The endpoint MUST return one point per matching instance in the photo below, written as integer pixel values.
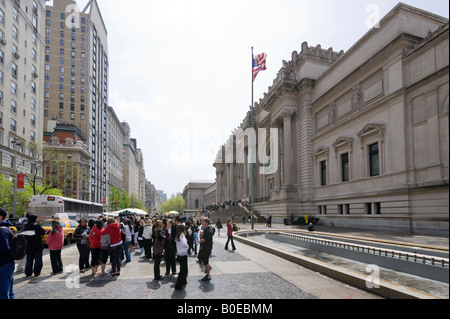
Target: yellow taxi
(67, 225)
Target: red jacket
(95, 236)
(113, 230)
(55, 241)
(229, 229)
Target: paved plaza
(247, 273)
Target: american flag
(259, 64)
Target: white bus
(50, 206)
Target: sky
(180, 71)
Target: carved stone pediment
(322, 150)
(343, 141)
(372, 128)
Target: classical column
(245, 192)
(287, 149)
(219, 194)
(277, 177)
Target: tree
(174, 204)
(123, 200)
(35, 178)
(136, 202)
(6, 196)
(22, 198)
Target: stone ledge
(356, 279)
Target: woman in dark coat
(81, 234)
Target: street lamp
(15, 142)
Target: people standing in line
(147, 235)
(195, 228)
(218, 226)
(200, 241)
(182, 248)
(81, 235)
(34, 247)
(55, 242)
(95, 245)
(105, 241)
(170, 247)
(140, 238)
(20, 266)
(7, 264)
(230, 235)
(136, 226)
(116, 243)
(129, 235)
(206, 248)
(159, 239)
(190, 236)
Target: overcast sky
(180, 71)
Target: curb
(386, 289)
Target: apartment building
(21, 85)
(116, 152)
(76, 80)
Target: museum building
(361, 136)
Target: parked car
(67, 225)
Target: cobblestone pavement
(233, 277)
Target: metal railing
(401, 255)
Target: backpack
(158, 246)
(17, 246)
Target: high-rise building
(76, 79)
(115, 154)
(21, 44)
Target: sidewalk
(243, 274)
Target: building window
(377, 207)
(13, 125)
(345, 167)
(14, 69)
(13, 106)
(374, 160)
(323, 173)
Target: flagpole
(252, 182)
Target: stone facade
(194, 194)
(66, 161)
(115, 156)
(22, 29)
(362, 136)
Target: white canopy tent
(135, 211)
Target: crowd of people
(112, 239)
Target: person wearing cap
(35, 247)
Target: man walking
(6, 261)
(207, 245)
